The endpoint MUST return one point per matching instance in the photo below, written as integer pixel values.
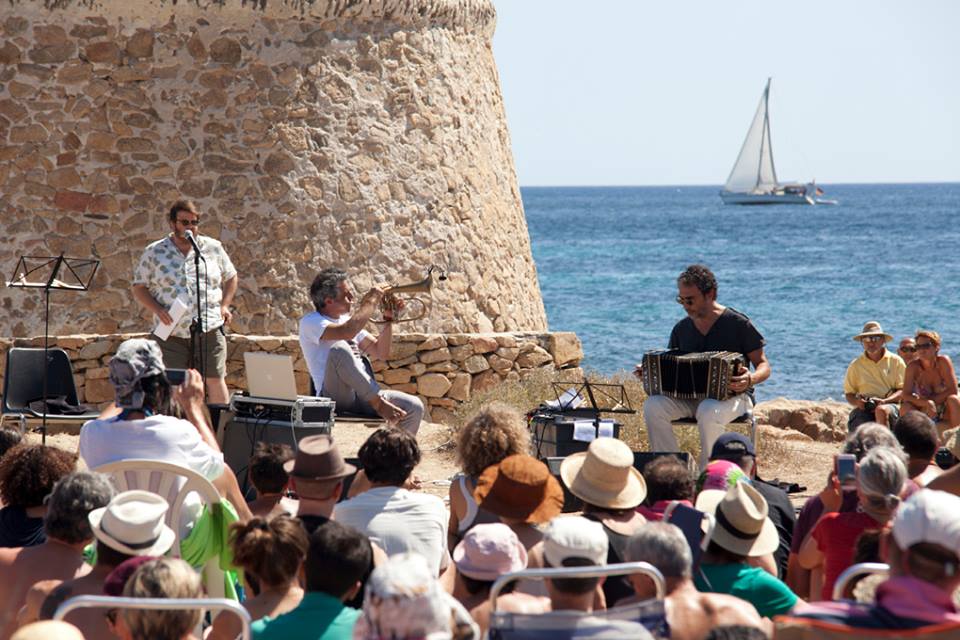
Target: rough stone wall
(369, 134)
(442, 369)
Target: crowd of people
(331, 550)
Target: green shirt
(318, 617)
(765, 592)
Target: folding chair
(639, 620)
(856, 571)
(23, 384)
(154, 604)
(174, 483)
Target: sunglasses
(685, 300)
(908, 349)
(188, 223)
(925, 345)
(872, 338)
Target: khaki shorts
(176, 353)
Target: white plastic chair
(174, 483)
(856, 571)
(108, 602)
(634, 621)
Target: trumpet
(394, 298)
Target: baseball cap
(928, 516)
(732, 446)
(574, 537)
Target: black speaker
(240, 436)
(571, 503)
(642, 458)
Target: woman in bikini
(930, 383)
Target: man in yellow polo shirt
(874, 380)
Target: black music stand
(45, 272)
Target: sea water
(808, 277)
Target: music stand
(77, 274)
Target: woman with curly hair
(270, 552)
(494, 433)
(27, 475)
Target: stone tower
(366, 133)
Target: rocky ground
(797, 440)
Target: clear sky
(630, 92)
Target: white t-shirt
(399, 521)
(161, 438)
(315, 350)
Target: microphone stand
(197, 337)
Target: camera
(870, 405)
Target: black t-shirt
(732, 331)
(783, 517)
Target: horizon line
(720, 186)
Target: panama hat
(133, 524)
(604, 475)
(520, 487)
(742, 525)
(872, 328)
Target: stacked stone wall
(443, 370)
(369, 134)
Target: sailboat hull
(731, 197)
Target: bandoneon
(690, 376)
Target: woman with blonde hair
(930, 383)
(162, 578)
(270, 552)
(495, 432)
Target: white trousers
(712, 416)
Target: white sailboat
(753, 179)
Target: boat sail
(753, 179)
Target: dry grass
(527, 395)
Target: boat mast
(766, 136)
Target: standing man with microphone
(168, 270)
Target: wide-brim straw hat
(519, 487)
(133, 523)
(604, 475)
(873, 328)
(741, 522)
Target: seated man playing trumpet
(333, 342)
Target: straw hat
(873, 328)
(133, 523)
(742, 525)
(519, 487)
(604, 475)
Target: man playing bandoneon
(333, 340)
(709, 326)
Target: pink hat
(488, 551)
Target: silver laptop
(270, 376)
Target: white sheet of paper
(176, 311)
(585, 431)
(606, 428)
(567, 400)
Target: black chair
(23, 384)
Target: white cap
(928, 516)
(574, 537)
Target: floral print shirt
(168, 274)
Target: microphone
(189, 236)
